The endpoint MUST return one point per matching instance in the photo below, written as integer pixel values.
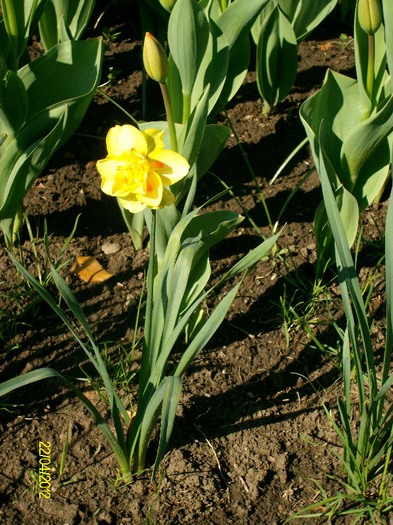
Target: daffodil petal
(108, 169)
(167, 198)
(174, 168)
(132, 205)
(122, 139)
(154, 190)
(154, 139)
(114, 179)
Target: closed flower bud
(155, 59)
(370, 15)
(168, 4)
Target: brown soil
(251, 433)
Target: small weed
(8, 407)
(113, 75)
(19, 302)
(34, 482)
(118, 363)
(109, 35)
(300, 303)
(345, 40)
(372, 503)
(149, 520)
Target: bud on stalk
(155, 59)
(168, 4)
(370, 15)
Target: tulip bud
(168, 4)
(370, 15)
(154, 59)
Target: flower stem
(186, 106)
(370, 67)
(134, 121)
(169, 117)
(146, 352)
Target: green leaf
(68, 74)
(64, 20)
(307, 15)
(174, 86)
(167, 218)
(276, 58)
(389, 289)
(237, 19)
(26, 379)
(338, 105)
(59, 87)
(211, 70)
(248, 262)
(213, 67)
(5, 50)
(188, 34)
(368, 137)
(257, 25)
(145, 421)
(135, 223)
(47, 373)
(347, 275)
(193, 131)
(291, 7)
(236, 22)
(358, 148)
(168, 413)
(349, 211)
(213, 141)
(239, 60)
(190, 242)
(20, 169)
(387, 6)
(206, 332)
(13, 104)
(19, 17)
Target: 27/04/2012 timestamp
(44, 470)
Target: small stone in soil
(110, 247)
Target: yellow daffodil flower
(137, 168)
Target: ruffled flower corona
(137, 168)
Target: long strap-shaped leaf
(147, 416)
(389, 290)
(387, 381)
(168, 413)
(388, 22)
(242, 266)
(237, 19)
(46, 373)
(116, 404)
(347, 274)
(206, 332)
